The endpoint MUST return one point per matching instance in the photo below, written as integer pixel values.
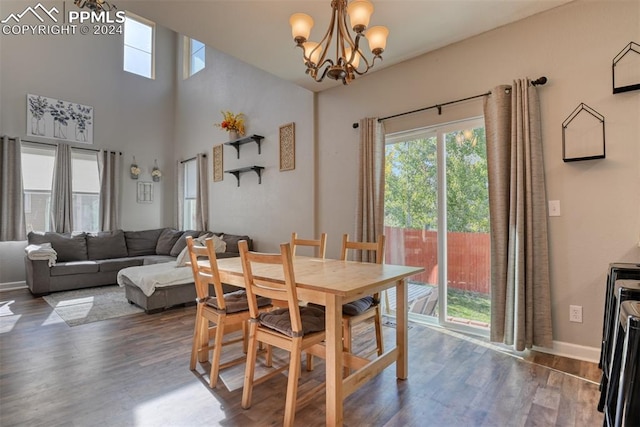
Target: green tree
(412, 182)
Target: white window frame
(188, 55)
(152, 54)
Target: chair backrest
(377, 247)
(320, 243)
(274, 288)
(203, 276)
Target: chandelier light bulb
(359, 14)
(356, 58)
(301, 25)
(312, 50)
(377, 37)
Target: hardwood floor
(134, 371)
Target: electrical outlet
(575, 313)
(554, 207)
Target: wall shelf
(239, 171)
(236, 143)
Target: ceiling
(258, 32)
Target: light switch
(554, 207)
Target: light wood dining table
(332, 283)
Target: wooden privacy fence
(468, 256)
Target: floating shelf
(239, 171)
(245, 140)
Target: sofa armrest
(37, 276)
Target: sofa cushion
(117, 264)
(106, 245)
(68, 246)
(232, 242)
(181, 243)
(142, 242)
(167, 239)
(74, 267)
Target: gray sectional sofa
(94, 259)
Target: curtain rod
(191, 158)
(542, 80)
(55, 145)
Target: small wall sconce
(134, 170)
(155, 173)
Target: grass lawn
(469, 305)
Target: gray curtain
(12, 220)
(109, 166)
(179, 214)
(202, 193)
(61, 192)
(370, 202)
(520, 290)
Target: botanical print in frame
(58, 119)
(288, 147)
(218, 173)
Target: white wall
(573, 46)
(132, 114)
(284, 202)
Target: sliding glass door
(437, 217)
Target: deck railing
(468, 256)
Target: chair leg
(250, 368)
(203, 341)
(379, 336)
(309, 362)
(217, 351)
(196, 339)
(245, 336)
(292, 384)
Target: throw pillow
(183, 257)
(181, 243)
(167, 239)
(219, 244)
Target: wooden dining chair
(294, 328)
(227, 312)
(367, 307)
(320, 243)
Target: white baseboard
(573, 351)
(10, 286)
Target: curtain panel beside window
(12, 222)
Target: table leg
(333, 325)
(402, 326)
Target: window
(37, 178)
(190, 191)
(139, 41)
(85, 182)
(437, 216)
(194, 56)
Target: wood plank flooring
(134, 371)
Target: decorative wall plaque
(288, 147)
(218, 173)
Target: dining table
(331, 283)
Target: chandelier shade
(349, 59)
(95, 5)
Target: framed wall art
(58, 119)
(288, 147)
(218, 173)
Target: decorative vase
(233, 135)
(155, 173)
(134, 171)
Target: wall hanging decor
(218, 173)
(58, 119)
(145, 192)
(134, 170)
(287, 147)
(155, 172)
(585, 139)
(625, 69)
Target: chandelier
(95, 5)
(349, 59)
